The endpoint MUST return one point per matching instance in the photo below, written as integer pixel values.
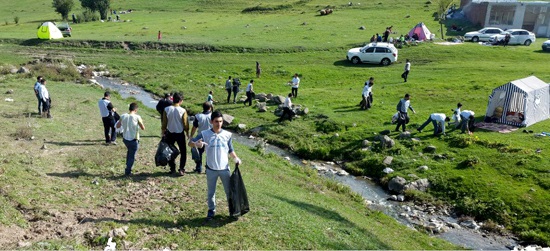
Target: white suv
(373, 53)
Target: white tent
(422, 31)
(521, 102)
(48, 30)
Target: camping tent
(521, 102)
(48, 30)
(422, 31)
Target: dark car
(65, 29)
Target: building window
(502, 15)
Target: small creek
(442, 224)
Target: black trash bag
(238, 200)
(165, 153)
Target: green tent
(48, 30)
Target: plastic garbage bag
(165, 153)
(238, 200)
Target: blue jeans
(211, 179)
(39, 104)
(133, 146)
(434, 122)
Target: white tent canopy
(521, 102)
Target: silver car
(482, 35)
(517, 36)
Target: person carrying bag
(238, 199)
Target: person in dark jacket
(163, 103)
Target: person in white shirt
(287, 109)
(249, 93)
(45, 99)
(456, 116)
(407, 69)
(106, 110)
(219, 147)
(201, 122)
(366, 101)
(467, 121)
(37, 93)
(130, 122)
(438, 120)
(402, 107)
(295, 84)
(174, 128)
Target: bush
(16, 20)
(327, 126)
(471, 161)
(87, 16)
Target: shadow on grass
(33, 42)
(331, 215)
(87, 142)
(75, 174)
(347, 63)
(216, 222)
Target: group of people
(462, 119)
(43, 97)
(210, 138)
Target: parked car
(517, 36)
(482, 35)
(373, 53)
(546, 45)
(65, 29)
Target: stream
(440, 222)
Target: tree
(63, 7)
(102, 6)
(442, 6)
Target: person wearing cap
(219, 147)
(106, 110)
(402, 107)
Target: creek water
(404, 212)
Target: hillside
(507, 182)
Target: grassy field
(72, 193)
(510, 181)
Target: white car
(546, 45)
(373, 53)
(482, 35)
(517, 36)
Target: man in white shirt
(219, 147)
(438, 120)
(407, 69)
(37, 93)
(174, 129)
(201, 122)
(402, 107)
(467, 121)
(130, 122)
(249, 93)
(295, 84)
(45, 99)
(287, 109)
(106, 110)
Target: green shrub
(16, 20)
(327, 126)
(470, 162)
(87, 16)
(462, 140)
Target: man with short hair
(174, 129)
(405, 74)
(295, 84)
(130, 122)
(467, 121)
(402, 107)
(201, 122)
(37, 93)
(438, 120)
(287, 109)
(45, 99)
(249, 92)
(219, 146)
(106, 110)
(163, 103)
(228, 87)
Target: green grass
(53, 190)
(510, 182)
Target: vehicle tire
(355, 60)
(385, 62)
(475, 39)
(527, 42)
